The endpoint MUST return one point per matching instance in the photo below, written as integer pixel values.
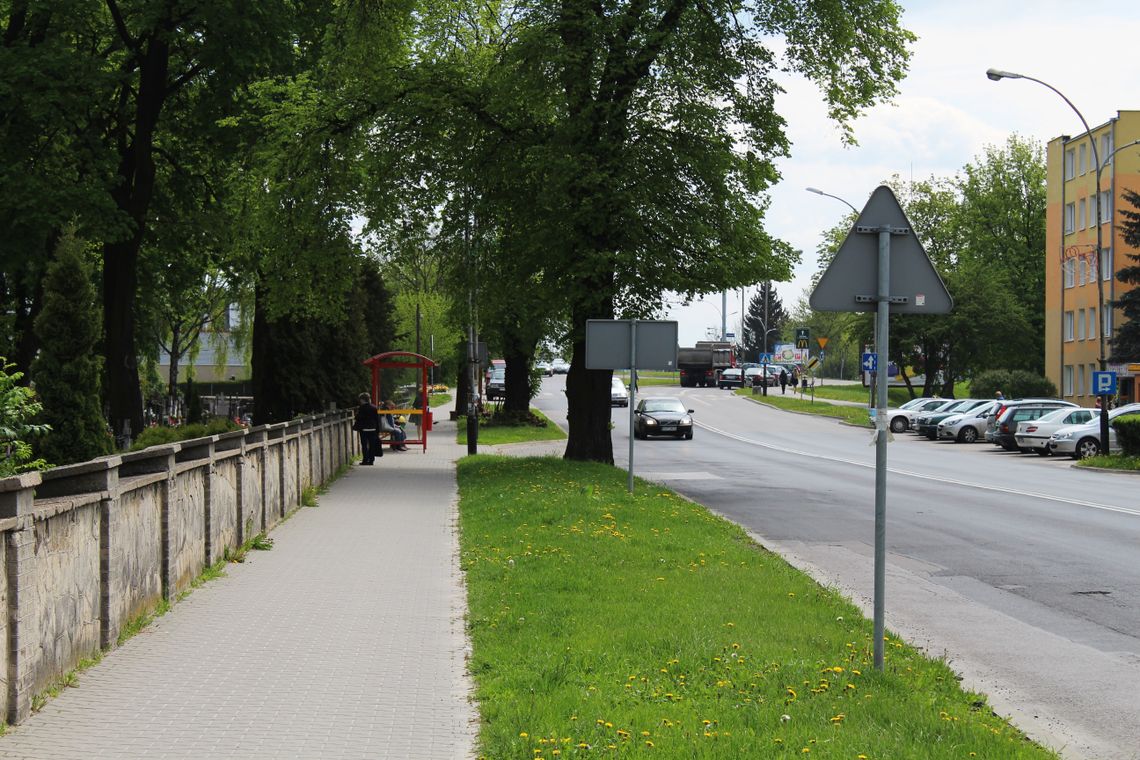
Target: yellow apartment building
(1073, 314)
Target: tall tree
(1126, 337)
(764, 322)
(68, 368)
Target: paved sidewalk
(346, 640)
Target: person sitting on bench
(395, 432)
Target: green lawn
(493, 434)
(857, 415)
(438, 399)
(1111, 462)
(610, 625)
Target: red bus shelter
(406, 360)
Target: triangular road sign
(851, 281)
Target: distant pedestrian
(783, 381)
(999, 397)
(795, 379)
(367, 424)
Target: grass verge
(492, 434)
(438, 399)
(856, 415)
(610, 625)
(1113, 462)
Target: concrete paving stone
(346, 640)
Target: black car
(662, 416)
(927, 423)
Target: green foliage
(18, 407)
(1012, 383)
(68, 369)
(194, 412)
(766, 314)
(1127, 427)
(1126, 337)
(157, 436)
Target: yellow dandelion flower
(556, 752)
(645, 733)
(523, 734)
(609, 725)
(838, 718)
(648, 743)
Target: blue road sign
(765, 358)
(870, 362)
(1104, 383)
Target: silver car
(902, 418)
(1033, 435)
(968, 426)
(1082, 441)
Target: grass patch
(611, 625)
(495, 431)
(309, 496)
(856, 415)
(647, 378)
(895, 396)
(136, 624)
(438, 399)
(1112, 462)
(70, 679)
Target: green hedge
(157, 436)
(1127, 429)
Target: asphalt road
(1023, 572)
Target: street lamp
(997, 75)
(817, 191)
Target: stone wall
(89, 547)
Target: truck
(700, 365)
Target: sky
(944, 116)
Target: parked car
(497, 384)
(619, 394)
(662, 415)
(560, 366)
(730, 378)
(902, 417)
(969, 426)
(546, 368)
(1033, 435)
(755, 376)
(1005, 429)
(1003, 405)
(1081, 441)
(926, 423)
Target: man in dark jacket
(783, 380)
(367, 423)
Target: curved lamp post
(817, 191)
(997, 75)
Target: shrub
(1016, 383)
(18, 405)
(157, 436)
(1127, 429)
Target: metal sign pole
(883, 320)
(632, 374)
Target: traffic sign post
(1104, 383)
(904, 280)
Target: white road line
(923, 476)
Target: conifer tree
(68, 371)
(1126, 341)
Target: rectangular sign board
(608, 344)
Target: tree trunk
(120, 258)
(517, 353)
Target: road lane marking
(669, 475)
(924, 476)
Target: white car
(968, 426)
(1081, 441)
(1035, 434)
(902, 418)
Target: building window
(1084, 158)
(1070, 269)
(1080, 379)
(1080, 324)
(1082, 268)
(1067, 381)
(1105, 147)
(1069, 164)
(1106, 263)
(1070, 216)
(1068, 325)
(1105, 207)
(1081, 216)
(1106, 316)
(1092, 323)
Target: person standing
(783, 380)
(367, 424)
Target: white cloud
(947, 111)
